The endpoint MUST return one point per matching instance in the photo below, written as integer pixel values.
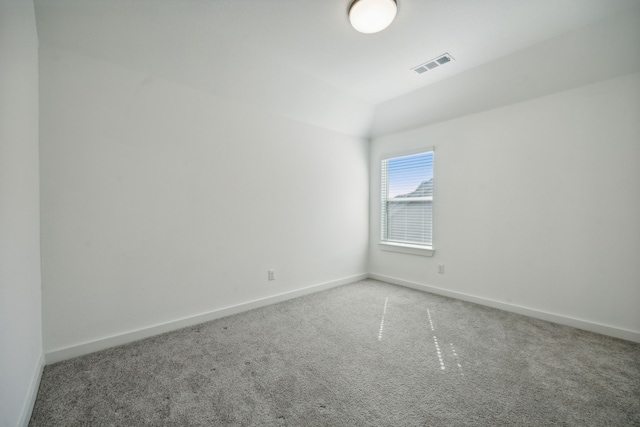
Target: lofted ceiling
(289, 54)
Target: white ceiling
(603, 50)
(316, 37)
(258, 49)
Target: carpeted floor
(365, 354)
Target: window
(407, 203)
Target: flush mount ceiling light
(371, 16)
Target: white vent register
(434, 63)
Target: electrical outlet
(441, 268)
(272, 275)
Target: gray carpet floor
(364, 354)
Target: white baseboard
(33, 393)
(70, 352)
(555, 318)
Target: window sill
(406, 248)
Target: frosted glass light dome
(371, 16)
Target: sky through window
(405, 174)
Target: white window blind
(407, 199)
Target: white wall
(164, 202)
(536, 206)
(20, 317)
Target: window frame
(402, 247)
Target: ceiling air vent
(430, 65)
